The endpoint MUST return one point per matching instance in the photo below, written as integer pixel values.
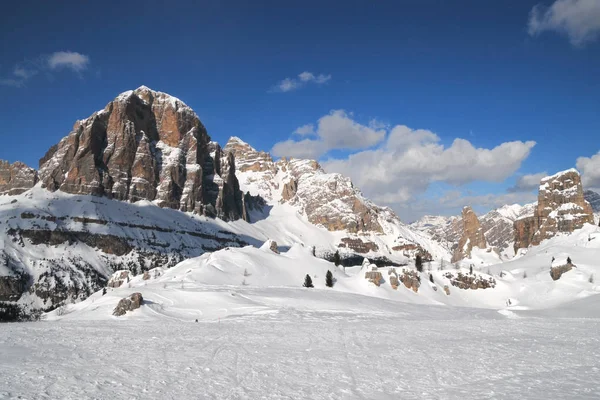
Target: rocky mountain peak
(146, 145)
(561, 207)
(16, 178)
(473, 235)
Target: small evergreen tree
(336, 258)
(431, 278)
(419, 263)
(471, 269)
(329, 279)
(524, 274)
(308, 282)
(568, 260)
(103, 291)
(591, 280)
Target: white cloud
(337, 130)
(411, 160)
(68, 59)
(304, 78)
(527, 183)
(22, 73)
(305, 130)
(590, 171)
(489, 201)
(394, 166)
(306, 148)
(578, 19)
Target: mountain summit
(146, 145)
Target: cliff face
(561, 208)
(146, 145)
(473, 235)
(329, 200)
(16, 178)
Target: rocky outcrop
(374, 276)
(561, 208)
(119, 278)
(329, 200)
(16, 178)
(472, 236)
(133, 302)
(593, 198)
(358, 245)
(273, 247)
(472, 282)
(146, 145)
(497, 226)
(410, 279)
(558, 271)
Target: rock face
(561, 208)
(593, 198)
(118, 278)
(472, 282)
(16, 178)
(497, 227)
(558, 271)
(472, 235)
(130, 303)
(329, 200)
(146, 145)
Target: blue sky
(387, 87)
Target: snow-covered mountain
(497, 227)
(139, 185)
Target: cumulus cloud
(590, 171)
(526, 183)
(68, 59)
(23, 72)
(337, 130)
(490, 201)
(411, 160)
(304, 78)
(578, 19)
(396, 165)
(304, 130)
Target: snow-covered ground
(331, 345)
(260, 334)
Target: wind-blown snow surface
(261, 335)
(394, 353)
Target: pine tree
(591, 280)
(419, 263)
(431, 278)
(471, 269)
(103, 291)
(308, 282)
(336, 258)
(329, 279)
(568, 260)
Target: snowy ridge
(328, 200)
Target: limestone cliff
(472, 236)
(146, 145)
(16, 178)
(561, 208)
